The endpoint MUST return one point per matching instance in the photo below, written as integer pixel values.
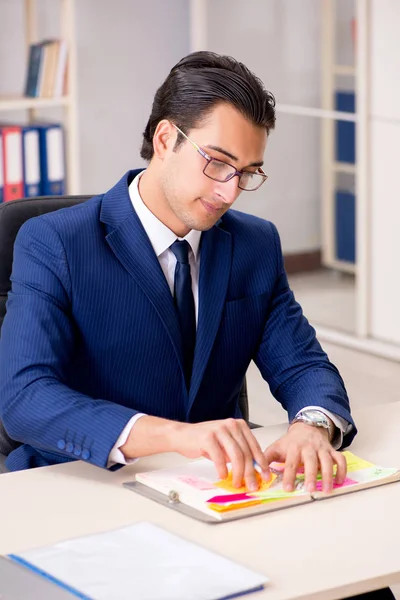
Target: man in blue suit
(133, 317)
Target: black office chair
(12, 216)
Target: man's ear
(164, 139)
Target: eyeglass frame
(210, 159)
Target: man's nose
(229, 191)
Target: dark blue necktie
(184, 303)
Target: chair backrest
(12, 216)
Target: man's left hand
(309, 446)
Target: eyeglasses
(218, 170)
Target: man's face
(195, 200)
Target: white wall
(125, 50)
(384, 170)
(280, 41)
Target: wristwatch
(316, 418)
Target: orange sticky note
(226, 484)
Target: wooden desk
(329, 549)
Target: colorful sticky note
(354, 463)
(228, 498)
(345, 483)
(226, 484)
(226, 507)
(196, 482)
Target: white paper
(144, 562)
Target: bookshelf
(331, 166)
(67, 103)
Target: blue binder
(345, 130)
(345, 219)
(31, 161)
(52, 158)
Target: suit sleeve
(292, 361)
(37, 342)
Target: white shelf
(343, 265)
(342, 167)
(23, 103)
(344, 70)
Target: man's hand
(309, 446)
(226, 441)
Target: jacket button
(61, 444)
(85, 454)
(69, 447)
(77, 450)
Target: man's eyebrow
(232, 156)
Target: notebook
(140, 561)
(195, 489)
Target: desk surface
(329, 549)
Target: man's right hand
(224, 441)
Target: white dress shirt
(161, 238)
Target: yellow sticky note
(226, 484)
(354, 463)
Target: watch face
(315, 417)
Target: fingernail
(253, 486)
(266, 475)
(287, 487)
(311, 487)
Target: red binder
(12, 163)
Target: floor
(369, 380)
(328, 298)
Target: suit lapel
(215, 268)
(131, 245)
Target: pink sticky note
(346, 482)
(196, 482)
(228, 498)
(277, 466)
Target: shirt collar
(160, 236)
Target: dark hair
(196, 84)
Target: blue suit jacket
(91, 334)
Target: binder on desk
(195, 490)
(138, 561)
(13, 185)
(31, 161)
(52, 158)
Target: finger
(250, 475)
(310, 462)
(273, 453)
(213, 450)
(292, 463)
(341, 463)
(326, 462)
(256, 452)
(235, 454)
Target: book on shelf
(46, 71)
(195, 489)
